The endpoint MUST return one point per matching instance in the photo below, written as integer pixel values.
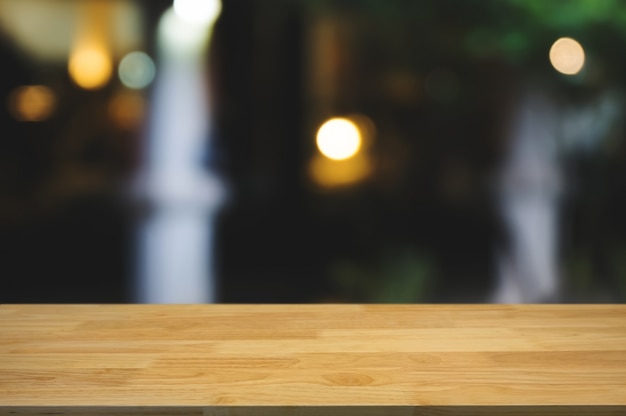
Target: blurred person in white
(531, 184)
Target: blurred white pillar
(529, 197)
(176, 240)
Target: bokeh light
(32, 103)
(567, 56)
(136, 70)
(330, 173)
(127, 109)
(338, 139)
(198, 11)
(178, 38)
(90, 66)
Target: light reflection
(32, 103)
(136, 70)
(339, 139)
(567, 56)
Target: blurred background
(295, 151)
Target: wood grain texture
(288, 359)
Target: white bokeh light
(198, 11)
(136, 70)
(178, 37)
(338, 139)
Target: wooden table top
(207, 359)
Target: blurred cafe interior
(312, 151)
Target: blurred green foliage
(568, 14)
(516, 30)
(589, 280)
(399, 275)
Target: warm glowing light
(136, 70)
(127, 110)
(32, 103)
(90, 66)
(330, 173)
(198, 11)
(338, 139)
(567, 56)
(46, 30)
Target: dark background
(437, 78)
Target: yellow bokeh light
(32, 103)
(90, 66)
(330, 173)
(339, 139)
(567, 56)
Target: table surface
(204, 356)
